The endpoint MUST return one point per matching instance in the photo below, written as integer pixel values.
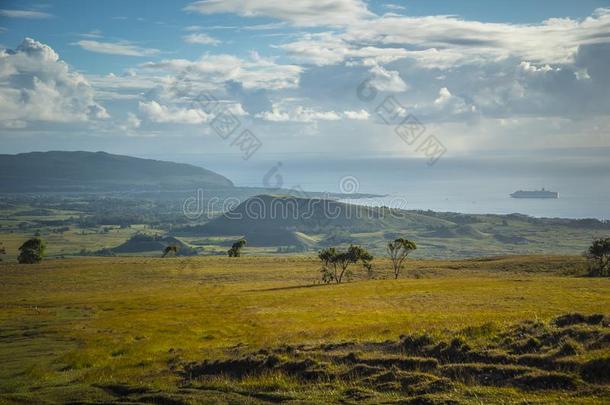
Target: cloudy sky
(308, 76)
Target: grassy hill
(154, 244)
(275, 220)
(99, 171)
(272, 220)
(183, 330)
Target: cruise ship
(535, 194)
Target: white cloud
(200, 39)
(133, 121)
(448, 41)
(158, 113)
(531, 68)
(298, 114)
(35, 85)
(116, 48)
(24, 14)
(450, 104)
(387, 80)
(394, 7)
(361, 115)
(300, 13)
(254, 73)
(328, 48)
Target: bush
(599, 256)
(32, 251)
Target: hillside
(273, 220)
(99, 171)
(141, 243)
(310, 223)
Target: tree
(169, 249)
(599, 256)
(235, 250)
(398, 250)
(2, 250)
(335, 264)
(32, 251)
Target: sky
(342, 78)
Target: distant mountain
(99, 171)
(276, 220)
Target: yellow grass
(101, 320)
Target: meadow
(174, 330)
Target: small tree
(599, 256)
(32, 251)
(169, 249)
(398, 250)
(235, 250)
(335, 264)
(2, 251)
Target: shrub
(599, 256)
(235, 250)
(32, 251)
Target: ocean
(479, 184)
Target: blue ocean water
(467, 185)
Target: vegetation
(599, 257)
(31, 251)
(398, 250)
(335, 264)
(2, 251)
(92, 222)
(235, 250)
(66, 339)
(170, 249)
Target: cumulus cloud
(200, 39)
(158, 113)
(386, 80)
(116, 48)
(253, 73)
(300, 13)
(452, 104)
(35, 85)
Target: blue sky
(125, 76)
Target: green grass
(67, 325)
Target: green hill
(272, 220)
(99, 171)
(140, 243)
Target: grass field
(124, 329)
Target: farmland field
(150, 330)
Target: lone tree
(398, 250)
(2, 251)
(335, 264)
(32, 251)
(169, 249)
(235, 250)
(599, 256)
